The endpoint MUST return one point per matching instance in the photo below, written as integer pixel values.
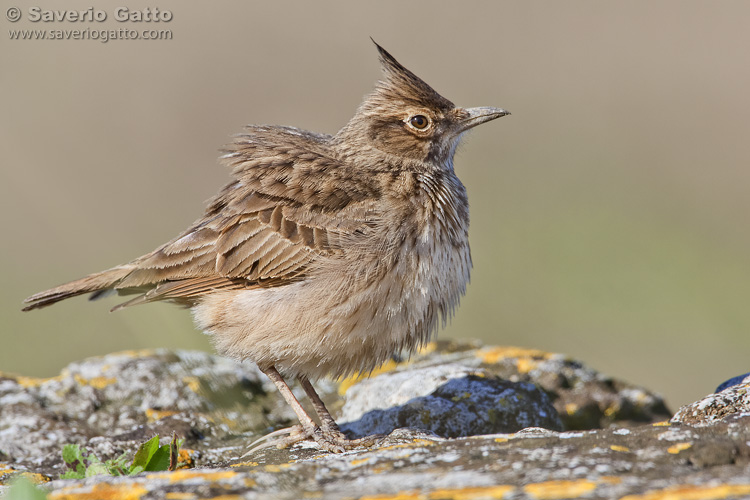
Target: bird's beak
(471, 117)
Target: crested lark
(325, 255)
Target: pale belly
(341, 319)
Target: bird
(325, 255)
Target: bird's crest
(400, 83)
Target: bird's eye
(419, 122)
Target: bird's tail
(97, 282)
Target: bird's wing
(290, 202)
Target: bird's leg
(328, 426)
(307, 423)
(307, 430)
(328, 435)
(327, 423)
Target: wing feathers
(236, 235)
(247, 251)
(290, 203)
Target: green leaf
(118, 466)
(119, 461)
(146, 452)
(135, 470)
(97, 469)
(73, 457)
(71, 453)
(90, 458)
(72, 474)
(160, 460)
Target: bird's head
(407, 118)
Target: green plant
(149, 457)
(23, 489)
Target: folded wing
(290, 203)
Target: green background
(609, 212)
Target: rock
(456, 446)
(640, 463)
(584, 398)
(450, 400)
(716, 407)
(128, 397)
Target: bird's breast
(416, 266)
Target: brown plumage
(325, 255)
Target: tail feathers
(98, 283)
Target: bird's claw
(331, 440)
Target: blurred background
(609, 212)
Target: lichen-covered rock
(647, 462)
(714, 407)
(450, 400)
(584, 398)
(128, 397)
(113, 403)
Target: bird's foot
(329, 439)
(333, 440)
(293, 434)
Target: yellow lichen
(360, 461)
(193, 383)
(35, 477)
(347, 382)
(471, 493)
(9, 474)
(95, 382)
(276, 468)
(492, 355)
(427, 348)
(674, 450)
(101, 382)
(103, 491)
(525, 365)
(185, 457)
(402, 495)
(185, 474)
(29, 382)
(559, 489)
(136, 353)
(693, 492)
(612, 410)
(245, 464)
(423, 442)
(154, 415)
